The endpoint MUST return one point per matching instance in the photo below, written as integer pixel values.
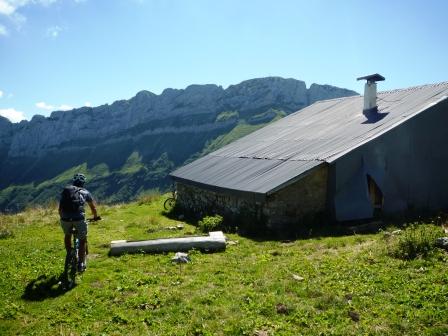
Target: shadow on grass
(258, 231)
(312, 227)
(323, 229)
(304, 232)
(45, 287)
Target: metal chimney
(370, 92)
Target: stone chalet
(349, 158)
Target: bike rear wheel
(169, 203)
(71, 263)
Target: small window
(375, 193)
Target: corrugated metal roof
(279, 153)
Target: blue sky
(63, 54)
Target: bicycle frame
(72, 258)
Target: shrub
(210, 223)
(415, 241)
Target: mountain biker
(72, 214)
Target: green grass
(243, 128)
(133, 164)
(252, 288)
(65, 176)
(227, 115)
(240, 130)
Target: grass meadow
(347, 285)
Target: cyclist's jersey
(85, 196)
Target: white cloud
(48, 107)
(10, 8)
(3, 30)
(7, 7)
(1, 93)
(88, 104)
(12, 114)
(53, 31)
(64, 107)
(44, 106)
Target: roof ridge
(414, 88)
(334, 99)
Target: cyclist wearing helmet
(72, 214)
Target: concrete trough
(215, 241)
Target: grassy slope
(240, 130)
(119, 183)
(230, 293)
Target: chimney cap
(372, 78)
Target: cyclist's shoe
(81, 267)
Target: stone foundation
(197, 203)
(299, 202)
(295, 203)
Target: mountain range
(127, 148)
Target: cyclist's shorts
(80, 226)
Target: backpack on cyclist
(71, 200)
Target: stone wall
(304, 200)
(295, 203)
(198, 202)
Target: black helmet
(79, 180)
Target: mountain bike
(170, 201)
(72, 258)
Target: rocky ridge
(36, 137)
